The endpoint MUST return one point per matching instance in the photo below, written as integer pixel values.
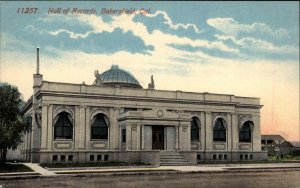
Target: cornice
(146, 99)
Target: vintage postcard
(207, 81)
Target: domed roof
(116, 76)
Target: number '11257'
(27, 10)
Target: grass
(98, 164)
(271, 159)
(288, 158)
(7, 168)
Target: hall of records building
(115, 119)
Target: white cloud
(232, 27)
(71, 34)
(170, 23)
(157, 38)
(259, 45)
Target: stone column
(143, 137)
(50, 127)
(120, 137)
(87, 128)
(44, 127)
(114, 128)
(138, 137)
(229, 132)
(134, 137)
(128, 138)
(180, 144)
(256, 136)
(202, 130)
(76, 127)
(82, 127)
(235, 132)
(187, 137)
(209, 131)
(176, 137)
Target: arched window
(245, 132)
(63, 127)
(219, 130)
(99, 127)
(195, 129)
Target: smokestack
(37, 60)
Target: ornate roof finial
(151, 85)
(98, 80)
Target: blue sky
(241, 48)
(271, 25)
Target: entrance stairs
(172, 158)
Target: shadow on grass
(7, 168)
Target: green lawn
(271, 159)
(287, 158)
(98, 164)
(14, 168)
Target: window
(246, 157)
(219, 130)
(123, 135)
(62, 158)
(70, 158)
(215, 157)
(241, 157)
(225, 157)
(195, 129)
(198, 157)
(130, 109)
(105, 157)
(91, 158)
(251, 157)
(220, 157)
(99, 127)
(54, 158)
(63, 128)
(99, 158)
(245, 132)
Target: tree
(12, 124)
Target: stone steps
(172, 158)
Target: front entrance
(157, 137)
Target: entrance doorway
(157, 137)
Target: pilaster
(180, 144)
(76, 127)
(235, 132)
(50, 127)
(177, 137)
(209, 132)
(87, 127)
(44, 127)
(202, 130)
(143, 137)
(229, 132)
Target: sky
(242, 48)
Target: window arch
(99, 128)
(63, 127)
(245, 132)
(219, 130)
(195, 125)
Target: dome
(116, 76)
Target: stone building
(116, 119)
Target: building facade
(115, 119)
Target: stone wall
(230, 156)
(147, 157)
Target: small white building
(115, 119)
